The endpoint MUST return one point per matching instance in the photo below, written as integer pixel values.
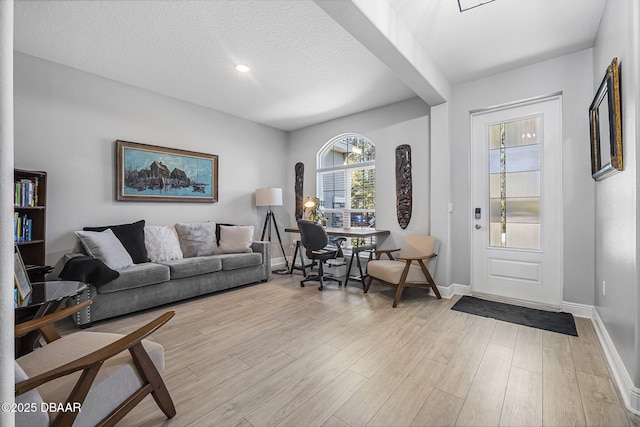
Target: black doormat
(562, 323)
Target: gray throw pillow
(198, 239)
(105, 246)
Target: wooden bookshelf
(33, 208)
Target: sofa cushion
(105, 246)
(131, 236)
(236, 261)
(137, 276)
(162, 243)
(194, 266)
(235, 239)
(197, 239)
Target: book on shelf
(26, 192)
(22, 228)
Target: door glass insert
(514, 184)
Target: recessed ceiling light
(242, 68)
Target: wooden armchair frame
(91, 363)
(402, 283)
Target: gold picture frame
(20, 277)
(605, 123)
(150, 173)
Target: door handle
(479, 227)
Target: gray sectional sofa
(150, 284)
(192, 262)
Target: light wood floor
(278, 354)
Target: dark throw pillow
(87, 269)
(132, 238)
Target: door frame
(556, 96)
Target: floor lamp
(271, 197)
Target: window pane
(495, 234)
(348, 191)
(522, 132)
(523, 236)
(494, 185)
(333, 189)
(523, 158)
(523, 210)
(523, 184)
(331, 157)
(354, 150)
(494, 136)
(363, 189)
(517, 159)
(494, 210)
(514, 184)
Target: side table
(45, 298)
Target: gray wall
(66, 122)
(405, 122)
(616, 211)
(570, 75)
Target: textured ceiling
(305, 68)
(501, 35)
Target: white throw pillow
(235, 239)
(162, 243)
(105, 246)
(197, 239)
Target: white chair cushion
(391, 271)
(31, 400)
(116, 380)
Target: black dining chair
(318, 248)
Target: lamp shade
(269, 197)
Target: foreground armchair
(410, 267)
(88, 378)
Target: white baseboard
(630, 393)
(278, 262)
(454, 289)
(578, 310)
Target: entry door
(517, 202)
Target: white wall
(405, 122)
(66, 122)
(572, 76)
(7, 312)
(616, 212)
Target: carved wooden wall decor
(404, 196)
(298, 190)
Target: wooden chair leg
(400, 285)
(399, 290)
(427, 275)
(149, 372)
(367, 284)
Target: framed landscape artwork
(152, 173)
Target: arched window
(346, 181)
